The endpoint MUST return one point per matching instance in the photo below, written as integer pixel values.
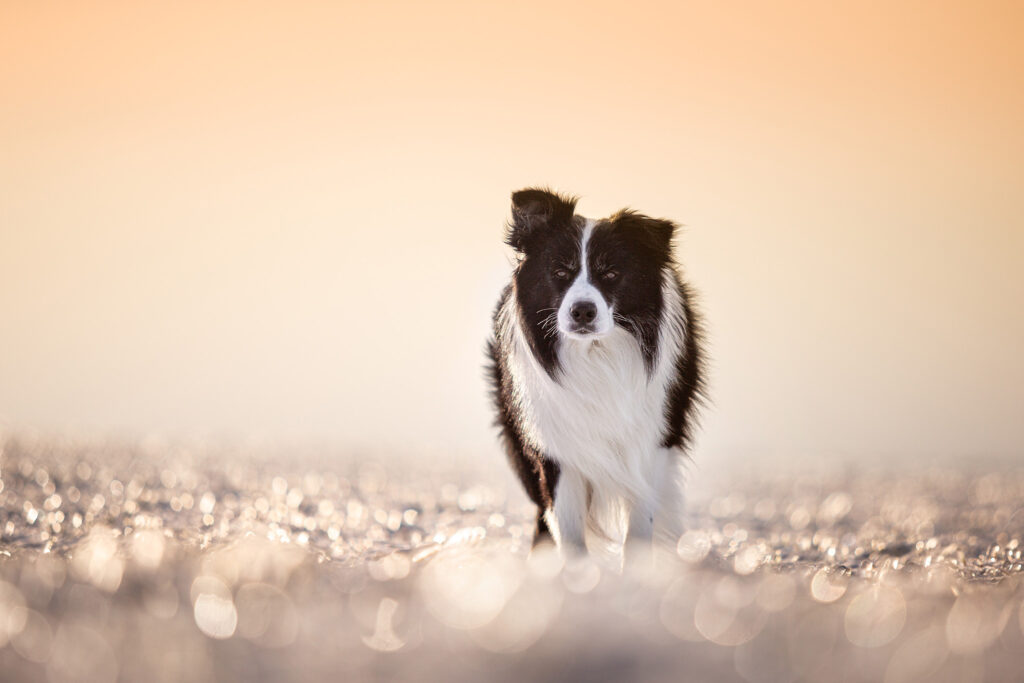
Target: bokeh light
(167, 564)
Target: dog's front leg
(641, 522)
(637, 551)
(571, 511)
(655, 521)
(671, 502)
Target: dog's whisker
(549, 320)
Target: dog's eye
(609, 275)
(561, 273)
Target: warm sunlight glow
(284, 220)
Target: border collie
(596, 366)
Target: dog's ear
(654, 233)
(533, 211)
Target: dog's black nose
(583, 312)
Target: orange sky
(284, 220)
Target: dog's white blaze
(582, 290)
(603, 415)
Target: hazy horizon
(262, 222)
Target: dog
(596, 366)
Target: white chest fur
(604, 413)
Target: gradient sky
(284, 220)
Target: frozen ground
(155, 563)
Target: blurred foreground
(159, 564)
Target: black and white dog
(596, 369)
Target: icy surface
(157, 563)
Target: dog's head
(578, 278)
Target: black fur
(638, 248)
(688, 390)
(546, 235)
(538, 474)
